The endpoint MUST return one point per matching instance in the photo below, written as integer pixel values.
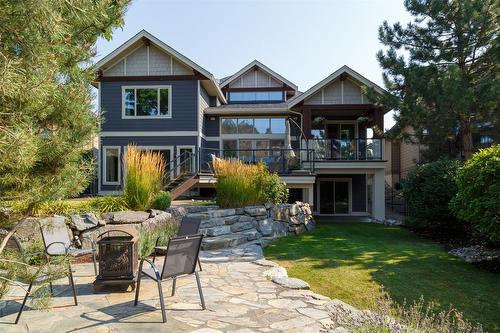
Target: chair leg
(199, 290)
(138, 285)
(173, 286)
(162, 302)
(154, 256)
(95, 261)
(72, 283)
(24, 303)
(51, 289)
(199, 264)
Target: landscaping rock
(291, 283)
(217, 231)
(164, 219)
(295, 209)
(220, 213)
(224, 241)
(126, 217)
(84, 222)
(240, 226)
(252, 235)
(266, 263)
(245, 218)
(476, 253)
(155, 212)
(310, 225)
(265, 227)
(256, 211)
(275, 273)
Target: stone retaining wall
(223, 228)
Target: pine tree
(444, 69)
(46, 118)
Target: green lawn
(355, 261)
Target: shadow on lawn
(406, 266)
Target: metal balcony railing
(346, 150)
(277, 160)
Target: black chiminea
(117, 259)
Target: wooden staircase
(182, 184)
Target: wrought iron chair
(180, 260)
(57, 242)
(189, 226)
(13, 244)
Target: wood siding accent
(341, 91)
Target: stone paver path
(238, 296)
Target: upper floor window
(255, 96)
(253, 126)
(147, 102)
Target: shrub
(162, 200)
(108, 204)
(148, 237)
(145, 171)
(240, 184)
(275, 190)
(478, 197)
(428, 190)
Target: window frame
(104, 175)
(157, 87)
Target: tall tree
(443, 68)
(46, 118)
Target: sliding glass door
(335, 196)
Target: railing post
(283, 166)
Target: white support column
(378, 195)
(308, 195)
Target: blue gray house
(321, 141)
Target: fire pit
(117, 259)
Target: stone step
(230, 240)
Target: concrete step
(230, 240)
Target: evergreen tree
(46, 118)
(443, 68)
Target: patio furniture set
(118, 263)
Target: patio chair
(13, 244)
(57, 242)
(180, 260)
(189, 226)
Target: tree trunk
(467, 144)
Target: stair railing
(181, 165)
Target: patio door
(335, 196)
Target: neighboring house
(402, 156)
(156, 98)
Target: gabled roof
(227, 80)
(342, 70)
(109, 59)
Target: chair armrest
(62, 243)
(157, 241)
(92, 242)
(157, 273)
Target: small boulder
(217, 231)
(84, 222)
(256, 211)
(265, 227)
(126, 217)
(275, 272)
(291, 283)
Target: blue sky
(304, 41)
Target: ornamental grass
(145, 170)
(238, 184)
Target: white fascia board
(186, 61)
(264, 68)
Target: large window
(147, 102)
(255, 96)
(112, 165)
(253, 126)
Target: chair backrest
(54, 231)
(182, 256)
(13, 243)
(189, 226)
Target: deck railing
(346, 150)
(277, 160)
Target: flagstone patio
(238, 295)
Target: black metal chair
(180, 260)
(189, 226)
(13, 244)
(57, 242)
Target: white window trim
(104, 181)
(168, 116)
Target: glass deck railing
(346, 150)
